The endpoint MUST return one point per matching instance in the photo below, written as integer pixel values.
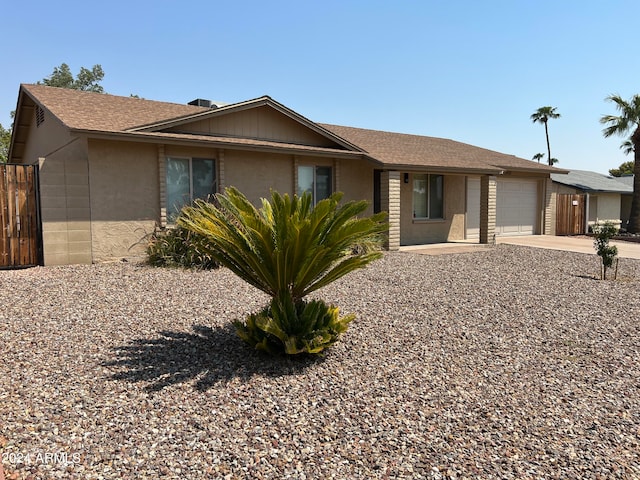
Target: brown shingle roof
(106, 113)
(103, 112)
(437, 153)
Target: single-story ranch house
(111, 169)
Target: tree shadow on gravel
(207, 356)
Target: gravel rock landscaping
(505, 363)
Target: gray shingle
(592, 182)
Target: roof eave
(539, 170)
(150, 137)
(15, 123)
(439, 169)
(592, 190)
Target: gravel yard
(505, 363)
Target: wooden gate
(20, 238)
(570, 214)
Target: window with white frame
(187, 180)
(428, 195)
(315, 180)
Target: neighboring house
(626, 198)
(114, 168)
(607, 198)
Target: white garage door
(517, 207)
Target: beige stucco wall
(64, 191)
(255, 174)
(45, 139)
(565, 189)
(608, 209)
(356, 181)
(415, 232)
(125, 187)
(125, 198)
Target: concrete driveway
(571, 244)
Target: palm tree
(288, 249)
(542, 115)
(627, 122)
(538, 157)
(627, 147)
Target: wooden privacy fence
(20, 244)
(570, 214)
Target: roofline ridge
(106, 94)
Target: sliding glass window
(428, 195)
(315, 180)
(188, 179)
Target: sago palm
(288, 248)
(627, 122)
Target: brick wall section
(162, 178)
(220, 165)
(390, 202)
(488, 197)
(65, 211)
(549, 208)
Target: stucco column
(390, 202)
(488, 192)
(549, 227)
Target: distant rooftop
(593, 182)
(626, 179)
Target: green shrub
(603, 232)
(288, 248)
(179, 247)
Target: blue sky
(469, 70)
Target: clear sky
(469, 70)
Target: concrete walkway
(569, 244)
(444, 248)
